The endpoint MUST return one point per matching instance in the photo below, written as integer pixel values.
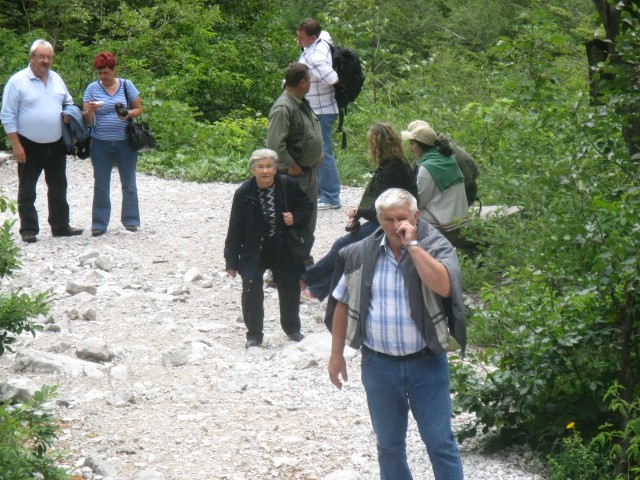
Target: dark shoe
(252, 342)
(29, 237)
(296, 337)
(131, 228)
(67, 232)
(97, 232)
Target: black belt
(24, 139)
(411, 356)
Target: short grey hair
(261, 154)
(396, 198)
(39, 43)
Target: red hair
(104, 60)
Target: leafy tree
(564, 313)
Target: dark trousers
(253, 299)
(52, 158)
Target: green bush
(27, 432)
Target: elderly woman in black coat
(256, 242)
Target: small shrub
(27, 432)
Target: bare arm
(136, 108)
(337, 366)
(17, 148)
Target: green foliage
(17, 312)
(8, 249)
(556, 323)
(621, 443)
(27, 432)
(560, 305)
(576, 459)
(207, 152)
(16, 309)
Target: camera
(121, 110)
(352, 227)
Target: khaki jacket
(294, 132)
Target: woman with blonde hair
(392, 171)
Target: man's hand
(294, 170)
(19, 154)
(407, 231)
(288, 218)
(337, 370)
(232, 273)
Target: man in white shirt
(316, 55)
(31, 114)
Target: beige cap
(420, 131)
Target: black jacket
(392, 173)
(247, 228)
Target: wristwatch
(412, 243)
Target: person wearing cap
(442, 199)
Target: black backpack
(346, 63)
(469, 168)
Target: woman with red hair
(109, 105)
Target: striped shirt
(106, 124)
(267, 201)
(321, 95)
(389, 326)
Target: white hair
(396, 198)
(39, 43)
(262, 154)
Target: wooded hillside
(558, 285)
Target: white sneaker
(268, 279)
(307, 297)
(327, 206)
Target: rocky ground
(146, 344)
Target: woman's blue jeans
(318, 277)
(421, 383)
(103, 155)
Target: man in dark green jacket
(295, 134)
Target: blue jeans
(421, 383)
(318, 277)
(103, 155)
(328, 178)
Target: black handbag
(299, 239)
(299, 242)
(140, 136)
(138, 132)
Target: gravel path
(179, 397)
